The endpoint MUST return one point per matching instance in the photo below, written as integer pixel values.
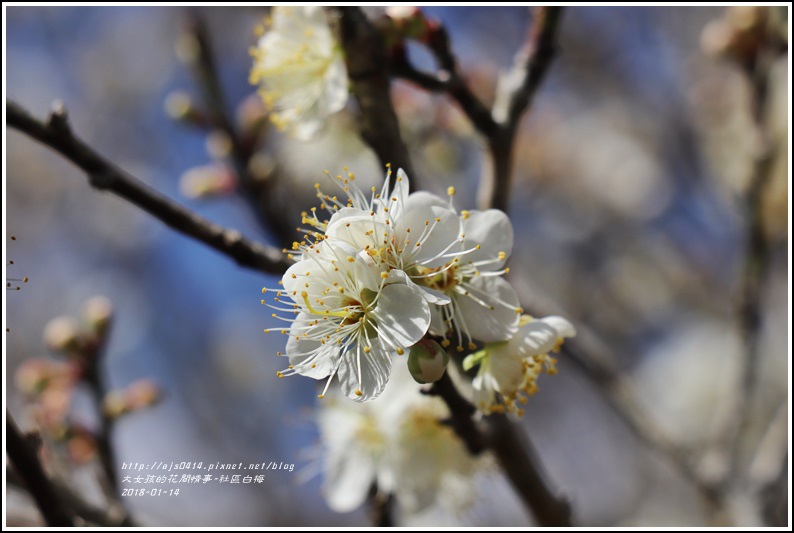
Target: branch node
(58, 120)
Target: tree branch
(104, 175)
(258, 190)
(514, 452)
(523, 468)
(448, 80)
(530, 69)
(461, 412)
(27, 465)
(368, 69)
(755, 266)
(497, 126)
(381, 507)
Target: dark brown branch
(27, 465)
(461, 412)
(80, 507)
(498, 127)
(258, 190)
(514, 452)
(105, 175)
(93, 356)
(523, 467)
(381, 507)
(775, 498)
(368, 69)
(756, 264)
(448, 80)
(537, 57)
(532, 65)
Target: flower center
(444, 278)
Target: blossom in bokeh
(511, 367)
(300, 70)
(398, 444)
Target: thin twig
(381, 507)
(368, 69)
(531, 67)
(775, 498)
(80, 507)
(461, 412)
(755, 268)
(27, 465)
(514, 451)
(258, 190)
(497, 126)
(448, 80)
(92, 376)
(105, 175)
(524, 469)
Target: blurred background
(629, 174)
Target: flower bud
(427, 361)
(114, 404)
(143, 393)
(207, 181)
(33, 375)
(62, 334)
(80, 445)
(98, 312)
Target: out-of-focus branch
(775, 498)
(461, 412)
(497, 126)
(530, 69)
(80, 507)
(523, 468)
(448, 80)
(368, 69)
(514, 452)
(92, 359)
(105, 175)
(381, 507)
(27, 465)
(258, 190)
(755, 266)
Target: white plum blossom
(349, 318)
(300, 69)
(378, 271)
(399, 444)
(511, 367)
(457, 260)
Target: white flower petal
(348, 478)
(536, 337)
(360, 232)
(375, 372)
(397, 200)
(434, 228)
(308, 357)
(424, 199)
(563, 327)
(402, 315)
(493, 231)
(484, 324)
(437, 324)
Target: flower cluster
(300, 70)
(386, 268)
(398, 444)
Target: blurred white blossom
(511, 367)
(398, 443)
(301, 70)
